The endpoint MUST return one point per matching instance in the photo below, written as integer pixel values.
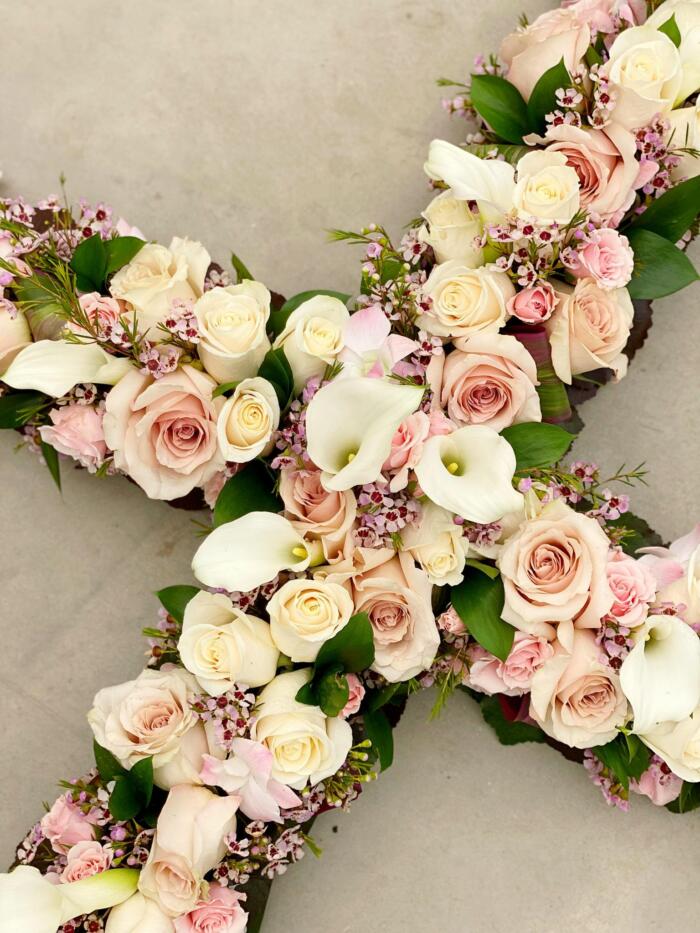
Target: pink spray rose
(451, 622)
(513, 677)
(317, 513)
(606, 257)
(357, 693)
(406, 449)
(533, 305)
(85, 859)
(222, 912)
(163, 432)
(65, 825)
(633, 588)
(658, 783)
(77, 431)
(103, 312)
(601, 14)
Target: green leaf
(501, 104)
(240, 268)
(141, 778)
(50, 455)
(537, 444)
(224, 388)
(490, 571)
(276, 369)
(121, 250)
(478, 602)
(333, 692)
(673, 213)
(17, 408)
(89, 262)
(613, 756)
(543, 98)
(660, 268)
(251, 490)
(278, 319)
(132, 791)
(508, 733)
(307, 694)
(378, 730)
(687, 800)
(593, 56)
(642, 535)
(174, 599)
(670, 29)
(352, 647)
(375, 699)
(107, 764)
(392, 269)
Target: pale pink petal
(366, 330)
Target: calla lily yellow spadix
(470, 472)
(249, 551)
(30, 903)
(56, 366)
(350, 424)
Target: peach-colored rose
(633, 587)
(589, 329)
(14, 332)
(221, 912)
(406, 449)
(315, 512)
(103, 312)
(606, 257)
(575, 698)
(76, 430)
(531, 51)
(163, 432)
(357, 693)
(490, 380)
(188, 843)
(533, 305)
(512, 677)
(65, 825)
(85, 859)
(554, 571)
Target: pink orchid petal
(258, 758)
(259, 804)
(399, 347)
(366, 330)
(283, 795)
(683, 548)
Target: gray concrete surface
(253, 127)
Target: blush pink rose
(76, 430)
(490, 380)
(317, 513)
(103, 312)
(658, 783)
(606, 257)
(449, 621)
(163, 431)
(85, 859)
(601, 14)
(222, 912)
(357, 694)
(406, 449)
(533, 305)
(633, 587)
(65, 825)
(513, 677)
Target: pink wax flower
(658, 783)
(222, 912)
(370, 347)
(65, 825)
(633, 587)
(85, 859)
(606, 256)
(76, 430)
(533, 305)
(357, 693)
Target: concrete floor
(255, 127)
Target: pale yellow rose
(313, 337)
(547, 188)
(247, 421)
(451, 230)
(465, 301)
(232, 326)
(306, 613)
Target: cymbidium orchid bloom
(661, 674)
(489, 182)
(56, 366)
(350, 424)
(31, 903)
(249, 551)
(470, 472)
(370, 349)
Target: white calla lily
(350, 424)
(31, 903)
(489, 182)
(249, 551)
(55, 366)
(470, 473)
(661, 674)
(138, 913)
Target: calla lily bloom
(249, 551)
(470, 473)
(661, 674)
(350, 424)
(56, 366)
(489, 182)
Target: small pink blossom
(65, 825)
(533, 305)
(76, 430)
(633, 587)
(406, 449)
(357, 693)
(222, 912)
(85, 859)
(370, 347)
(606, 256)
(450, 622)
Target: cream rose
(152, 716)
(438, 545)
(14, 332)
(232, 326)
(589, 329)
(644, 68)
(687, 15)
(306, 613)
(306, 745)
(156, 276)
(684, 133)
(318, 514)
(163, 432)
(547, 188)
(189, 841)
(465, 301)
(247, 421)
(222, 646)
(313, 337)
(575, 698)
(554, 571)
(490, 379)
(452, 230)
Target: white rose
(451, 230)
(465, 301)
(313, 337)
(687, 14)
(221, 645)
(306, 613)
(645, 70)
(684, 133)
(678, 743)
(232, 326)
(306, 745)
(157, 275)
(138, 913)
(438, 545)
(547, 188)
(247, 421)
